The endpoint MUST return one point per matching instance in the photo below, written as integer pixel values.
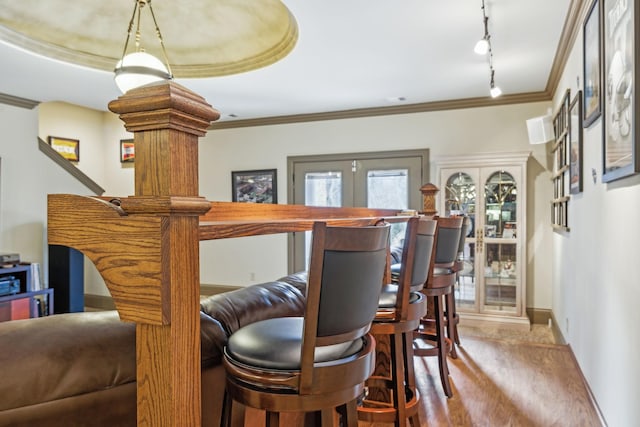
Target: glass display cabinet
(491, 190)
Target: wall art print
(254, 186)
(620, 67)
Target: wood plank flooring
(499, 379)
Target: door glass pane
(500, 205)
(323, 188)
(460, 199)
(500, 277)
(460, 195)
(320, 189)
(389, 189)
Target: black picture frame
(254, 186)
(127, 151)
(592, 65)
(575, 144)
(620, 144)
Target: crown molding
(17, 101)
(386, 111)
(571, 29)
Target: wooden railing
(146, 246)
(69, 167)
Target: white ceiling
(350, 54)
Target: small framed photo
(255, 186)
(592, 63)
(67, 148)
(575, 144)
(127, 151)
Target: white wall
(595, 291)
(26, 177)
(444, 133)
(237, 261)
(99, 134)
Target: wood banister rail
(146, 247)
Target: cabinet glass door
(460, 199)
(490, 282)
(500, 278)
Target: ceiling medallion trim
(267, 57)
(56, 52)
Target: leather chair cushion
(277, 343)
(299, 280)
(253, 303)
(389, 296)
(395, 269)
(72, 354)
(64, 355)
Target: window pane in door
(388, 189)
(323, 189)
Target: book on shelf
(36, 277)
(41, 305)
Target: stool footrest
(376, 411)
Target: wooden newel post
(167, 120)
(429, 192)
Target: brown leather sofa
(78, 369)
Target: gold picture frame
(127, 151)
(66, 147)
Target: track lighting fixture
(483, 47)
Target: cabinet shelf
(27, 302)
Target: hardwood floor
(500, 379)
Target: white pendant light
(495, 91)
(482, 47)
(140, 68)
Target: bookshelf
(32, 300)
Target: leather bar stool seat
(392, 395)
(430, 339)
(316, 364)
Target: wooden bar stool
(392, 396)
(317, 363)
(439, 287)
(451, 314)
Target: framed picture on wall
(592, 63)
(67, 148)
(575, 144)
(620, 144)
(255, 186)
(127, 151)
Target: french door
(389, 180)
